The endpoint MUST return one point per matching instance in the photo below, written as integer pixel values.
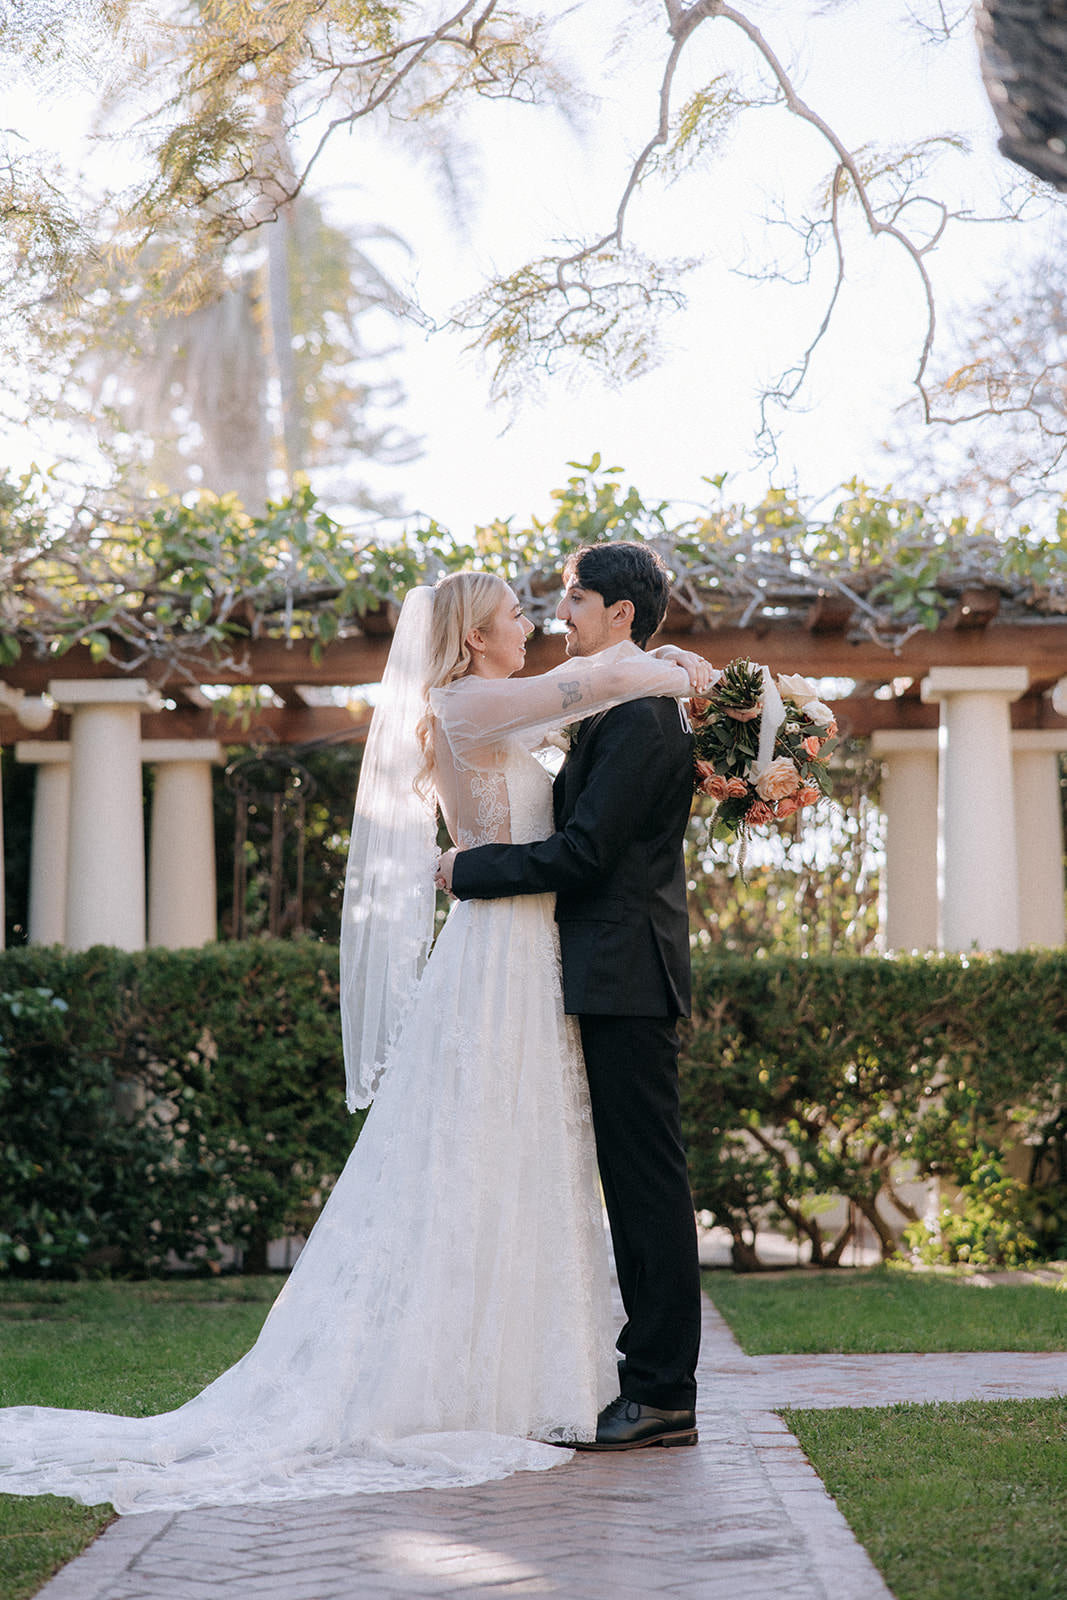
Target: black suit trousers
(632, 1066)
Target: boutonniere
(563, 738)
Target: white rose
(791, 686)
(818, 712)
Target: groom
(616, 866)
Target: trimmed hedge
(822, 1077)
(167, 1104)
(175, 1101)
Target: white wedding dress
(450, 1309)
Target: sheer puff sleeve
(477, 713)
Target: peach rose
(786, 807)
(778, 780)
(811, 745)
(705, 768)
(714, 787)
(758, 813)
(808, 796)
(736, 788)
(698, 707)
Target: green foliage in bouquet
(726, 730)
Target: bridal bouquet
(758, 746)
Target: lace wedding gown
(451, 1306)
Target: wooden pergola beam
(286, 725)
(783, 646)
(267, 725)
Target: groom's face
(589, 621)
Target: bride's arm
(477, 711)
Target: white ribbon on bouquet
(771, 718)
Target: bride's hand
(443, 876)
(702, 675)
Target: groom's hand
(702, 675)
(443, 875)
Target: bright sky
(531, 178)
(875, 79)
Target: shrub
(808, 1078)
(995, 1220)
(176, 1102)
(168, 1104)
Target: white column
(106, 865)
(48, 848)
(979, 868)
(909, 800)
(1039, 836)
(181, 862)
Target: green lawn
(138, 1348)
(856, 1313)
(134, 1348)
(952, 1502)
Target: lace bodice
(508, 803)
(491, 789)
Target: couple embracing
(449, 1319)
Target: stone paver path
(742, 1517)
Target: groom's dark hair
(622, 570)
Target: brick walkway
(742, 1517)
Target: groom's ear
(621, 616)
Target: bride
(449, 1315)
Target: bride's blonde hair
(462, 601)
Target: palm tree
(267, 377)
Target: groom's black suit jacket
(615, 864)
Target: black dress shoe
(627, 1425)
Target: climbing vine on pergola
(188, 585)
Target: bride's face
(500, 649)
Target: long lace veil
(387, 919)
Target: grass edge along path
(885, 1310)
(40, 1535)
(133, 1348)
(959, 1501)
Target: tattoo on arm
(572, 693)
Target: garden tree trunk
(1048, 1156)
(886, 1238)
(743, 1254)
(808, 1226)
(254, 1260)
(833, 1256)
(905, 1207)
